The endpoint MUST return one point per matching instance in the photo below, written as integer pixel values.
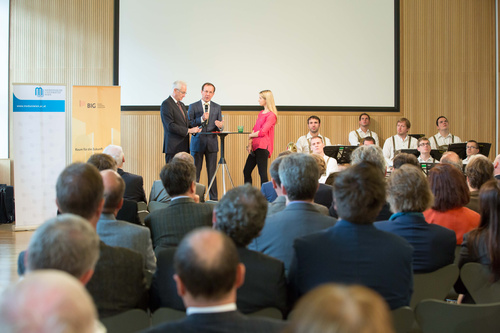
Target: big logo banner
(96, 120)
(38, 150)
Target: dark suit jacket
(134, 186)
(158, 192)
(128, 212)
(202, 143)
(384, 215)
(264, 283)
(324, 195)
(175, 127)
(354, 254)
(171, 224)
(269, 192)
(281, 229)
(222, 322)
(433, 245)
(474, 201)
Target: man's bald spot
(207, 245)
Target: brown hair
(479, 170)
(404, 158)
(449, 187)
(408, 190)
(404, 120)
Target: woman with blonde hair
(261, 140)
(333, 308)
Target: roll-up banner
(38, 148)
(96, 120)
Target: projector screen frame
(293, 108)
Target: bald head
(47, 301)
(185, 156)
(114, 188)
(206, 262)
(450, 157)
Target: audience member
(443, 138)
(304, 142)
(354, 251)
(169, 225)
(496, 166)
(472, 149)
(479, 170)
(267, 188)
(208, 272)
(324, 193)
(451, 194)
(331, 163)
(355, 137)
(102, 162)
(134, 184)
(399, 141)
(404, 158)
(114, 232)
(452, 158)
(158, 195)
(424, 147)
(118, 282)
(342, 309)
(409, 195)
(374, 155)
(299, 179)
(280, 203)
(366, 141)
(47, 301)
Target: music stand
(410, 151)
(459, 148)
(417, 136)
(222, 161)
(426, 167)
(341, 153)
(484, 148)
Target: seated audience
(404, 158)
(280, 203)
(102, 162)
(114, 232)
(409, 195)
(134, 184)
(482, 245)
(208, 273)
(48, 301)
(268, 188)
(304, 142)
(472, 149)
(344, 309)
(443, 138)
(479, 170)
(354, 251)
(169, 225)
(451, 158)
(367, 141)
(317, 146)
(324, 193)
(240, 214)
(451, 194)
(372, 154)
(159, 196)
(424, 147)
(299, 179)
(356, 137)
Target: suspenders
(437, 146)
(394, 145)
(359, 137)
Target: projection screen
(328, 55)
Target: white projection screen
(316, 54)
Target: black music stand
(341, 153)
(222, 160)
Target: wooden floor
(11, 243)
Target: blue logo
(39, 92)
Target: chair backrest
(142, 211)
(163, 315)
(438, 316)
(134, 320)
(402, 319)
(476, 279)
(434, 285)
(273, 313)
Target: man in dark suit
(169, 225)
(354, 251)
(176, 127)
(134, 184)
(114, 232)
(208, 273)
(299, 176)
(206, 114)
(240, 214)
(118, 283)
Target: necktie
(180, 108)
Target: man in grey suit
(207, 115)
(299, 176)
(120, 233)
(208, 273)
(169, 225)
(176, 127)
